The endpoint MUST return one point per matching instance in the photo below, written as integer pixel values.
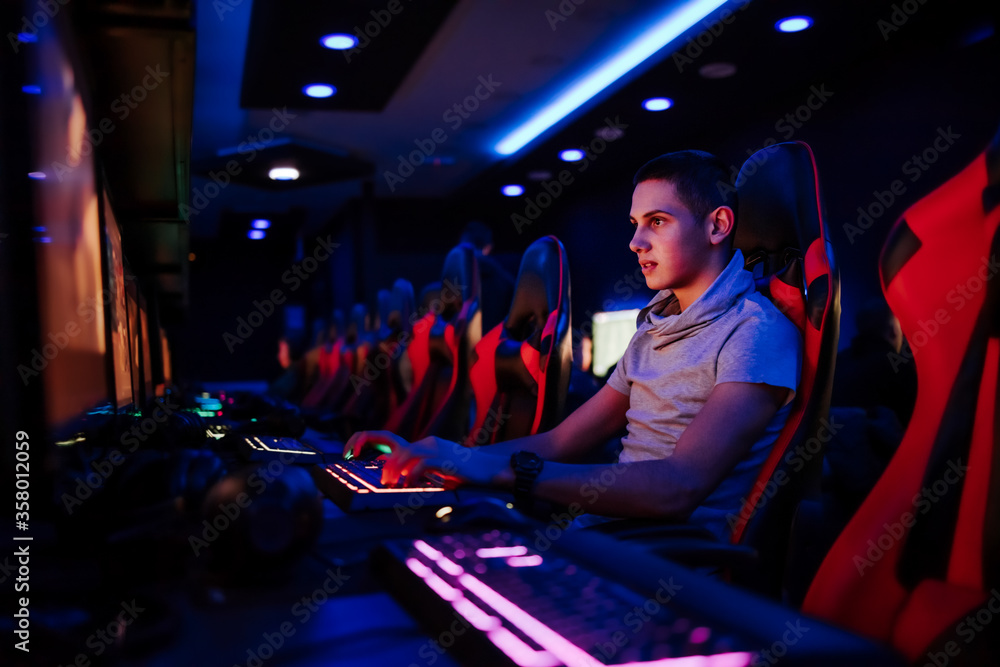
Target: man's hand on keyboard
(409, 463)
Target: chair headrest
(778, 215)
(401, 305)
(542, 287)
(459, 279)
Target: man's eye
(658, 221)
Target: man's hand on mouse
(409, 462)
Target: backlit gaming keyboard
(545, 598)
(357, 485)
(270, 448)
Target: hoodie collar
(668, 323)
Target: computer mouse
(483, 512)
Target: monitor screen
(67, 239)
(134, 343)
(117, 310)
(611, 333)
(165, 356)
(147, 357)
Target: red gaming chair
(919, 563)
(783, 235)
(441, 348)
(520, 372)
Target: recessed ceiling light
(512, 190)
(261, 223)
(657, 103)
(571, 155)
(283, 174)
(339, 41)
(27, 37)
(319, 90)
(793, 24)
(717, 70)
(256, 234)
(32, 89)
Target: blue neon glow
(512, 190)
(638, 50)
(657, 103)
(339, 41)
(319, 90)
(571, 155)
(36, 175)
(27, 37)
(793, 24)
(256, 234)
(32, 89)
(261, 223)
(45, 239)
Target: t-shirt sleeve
(762, 351)
(618, 380)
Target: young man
(704, 387)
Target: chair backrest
(443, 340)
(783, 235)
(520, 373)
(922, 552)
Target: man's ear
(723, 224)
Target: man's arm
(733, 418)
(590, 425)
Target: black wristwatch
(526, 466)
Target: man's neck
(689, 293)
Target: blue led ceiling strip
(665, 31)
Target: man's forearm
(645, 489)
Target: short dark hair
(699, 177)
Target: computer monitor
(167, 368)
(612, 331)
(72, 345)
(134, 342)
(146, 352)
(117, 310)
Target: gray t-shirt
(731, 333)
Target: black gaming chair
(520, 373)
(918, 565)
(443, 339)
(783, 235)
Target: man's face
(671, 244)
